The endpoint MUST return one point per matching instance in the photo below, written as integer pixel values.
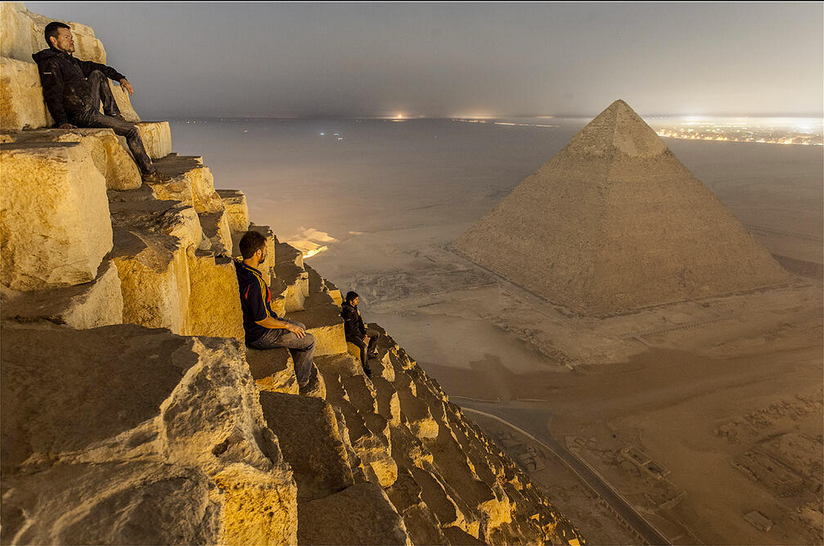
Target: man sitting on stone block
(356, 332)
(263, 328)
(73, 90)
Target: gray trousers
(302, 349)
(99, 84)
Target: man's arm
(275, 324)
(51, 78)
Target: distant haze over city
(460, 60)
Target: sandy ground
(723, 396)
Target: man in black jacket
(73, 90)
(356, 331)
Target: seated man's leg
(99, 84)
(129, 130)
(373, 340)
(302, 350)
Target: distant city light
(787, 131)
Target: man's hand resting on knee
(274, 324)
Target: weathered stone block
(23, 35)
(111, 160)
(273, 370)
(157, 138)
(89, 305)
(361, 514)
(190, 183)
(152, 396)
(54, 216)
(237, 209)
(216, 228)
(21, 96)
(139, 502)
(307, 431)
(323, 322)
(214, 301)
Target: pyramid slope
(615, 222)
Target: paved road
(534, 423)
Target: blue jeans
(99, 84)
(302, 349)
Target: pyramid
(614, 222)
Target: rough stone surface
(615, 222)
(97, 303)
(324, 322)
(273, 370)
(157, 138)
(54, 216)
(307, 430)
(102, 145)
(361, 514)
(214, 303)
(236, 208)
(190, 182)
(21, 96)
(150, 396)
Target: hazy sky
(460, 59)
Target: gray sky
(460, 59)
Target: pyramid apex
(619, 128)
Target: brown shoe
(156, 177)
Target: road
(533, 423)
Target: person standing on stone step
(263, 328)
(356, 332)
(73, 90)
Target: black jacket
(352, 322)
(65, 88)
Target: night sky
(447, 60)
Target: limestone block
(150, 396)
(323, 322)
(54, 216)
(435, 496)
(389, 405)
(216, 228)
(124, 103)
(361, 393)
(111, 160)
(21, 96)
(335, 366)
(98, 303)
(140, 210)
(23, 35)
(292, 286)
(157, 138)
(190, 183)
(286, 253)
(237, 209)
(308, 435)
(273, 370)
(139, 502)
(214, 301)
(153, 266)
(421, 422)
(361, 514)
(420, 521)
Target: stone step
(322, 320)
(191, 183)
(234, 201)
(83, 306)
(421, 523)
(286, 253)
(360, 514)
(157, 139)
(310, 441)
(214, 298)
(115, 164)
(273, 370)
(54, 215)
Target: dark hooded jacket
(67, 93)
(352, 322)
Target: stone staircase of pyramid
(132, 411)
